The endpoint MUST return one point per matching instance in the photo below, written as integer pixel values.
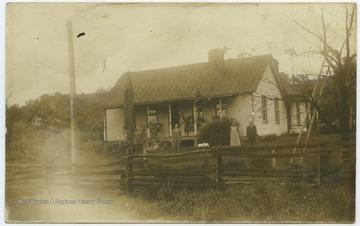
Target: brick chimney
(276, 64)
(216, 55)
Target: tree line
(28, 126)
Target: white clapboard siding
(240, 109)
(268, 87)
(114, 124)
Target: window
(298, 114)
(277, 113)
(264, 108)
(220, 110)
(152, 115)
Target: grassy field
(265, 201)
(257, 202)
(262, 201)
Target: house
(36, 122)
(245, 89)
(296, 107)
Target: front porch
(187, 141)
(188, 115)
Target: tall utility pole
(72, 92)
(292, 66)
(292, 53)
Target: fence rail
(221, 165)
(213, 167)
(22, 177)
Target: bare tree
(342, 63)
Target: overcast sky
(130, 37)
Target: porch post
(220, 109)
(170, 126)
(195, 113)
(147, 120)
(252, 108)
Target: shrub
(216, 132)
(115, 149)
(35, 145)
(325, 129)
(141, 141)
(269, 137)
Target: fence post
(318, 166)
(346, 154)
(273, 160)
(127, 181)
(219, 168)
(324, 159)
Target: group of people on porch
(251, 134)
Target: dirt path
(70, 205)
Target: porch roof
(291, 90)
(209, 79)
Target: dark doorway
(175, 117)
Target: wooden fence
(38, 176)
(221, 165)
(215, 167)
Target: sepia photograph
(164, 112)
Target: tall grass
(260, 202)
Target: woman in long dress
(234, 135)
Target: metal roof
(210, 79)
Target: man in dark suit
(251, 133)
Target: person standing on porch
(251, 132)
(234, 135)
(176, 133)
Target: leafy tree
(90, 114)
(25, 140)
(13, 113)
